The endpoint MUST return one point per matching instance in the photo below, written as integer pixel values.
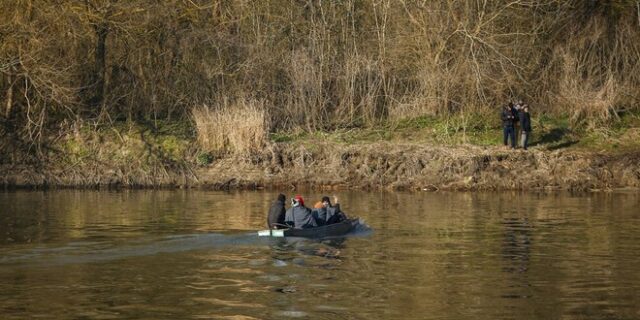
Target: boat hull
(327, 231)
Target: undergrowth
(483, 129)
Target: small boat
(326, 231)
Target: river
(195, 255)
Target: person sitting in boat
(319, 212)
(325, 213)
(333, 212)
(275, 219)
(299, 216)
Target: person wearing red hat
(299, 216)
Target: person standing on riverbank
(275, 219)
(299, 216)
(517, 125)
(508, 132)
(525, 123)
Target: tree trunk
(9, 97)
(102, 30)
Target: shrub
(239, 127)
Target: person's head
(326, 201)
(281, 197)
(520, 102)
(525, 108)
(297, 201)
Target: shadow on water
(104, 251)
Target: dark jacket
(276, 214)
(320, 214)
(300, 217)
(525, 121)
(328, 215)
(514, 112)
(334, 214)
(507, 117)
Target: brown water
(194, 255)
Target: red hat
(299, 199)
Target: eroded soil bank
(371, 166)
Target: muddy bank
(373, 166)
(412, 167)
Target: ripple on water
(432, 256)
(292, 314)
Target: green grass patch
(550, 132)
(146, 143)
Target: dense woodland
(312, 64)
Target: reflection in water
(516, 251)
(516, 244)
(194, 255)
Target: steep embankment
(372, 166)
(415, 167)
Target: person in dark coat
(275, 219)
(508, 129)
(320, 213)
(334, 214)
(326, 213)
(525, 122)
(517, 126)
(299, 216)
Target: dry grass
(591, 103)
(598, 73)
(240, 127)
(383, 165)
(318, 66)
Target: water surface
(194, 255)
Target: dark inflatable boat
(326, 231)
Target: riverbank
(424, 153)
(145, 94)
(428, 168)
(327, 165)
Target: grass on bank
(549, 133)
(134, 146)
(127, 145)
(240, 127)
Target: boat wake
(361, 229)
(102, 251)
(81, 252)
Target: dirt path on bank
(371, 166)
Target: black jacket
(329, 215)
(335, 215)
(320, 215)
(507, 117)
(276, 214)
(525, 120)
